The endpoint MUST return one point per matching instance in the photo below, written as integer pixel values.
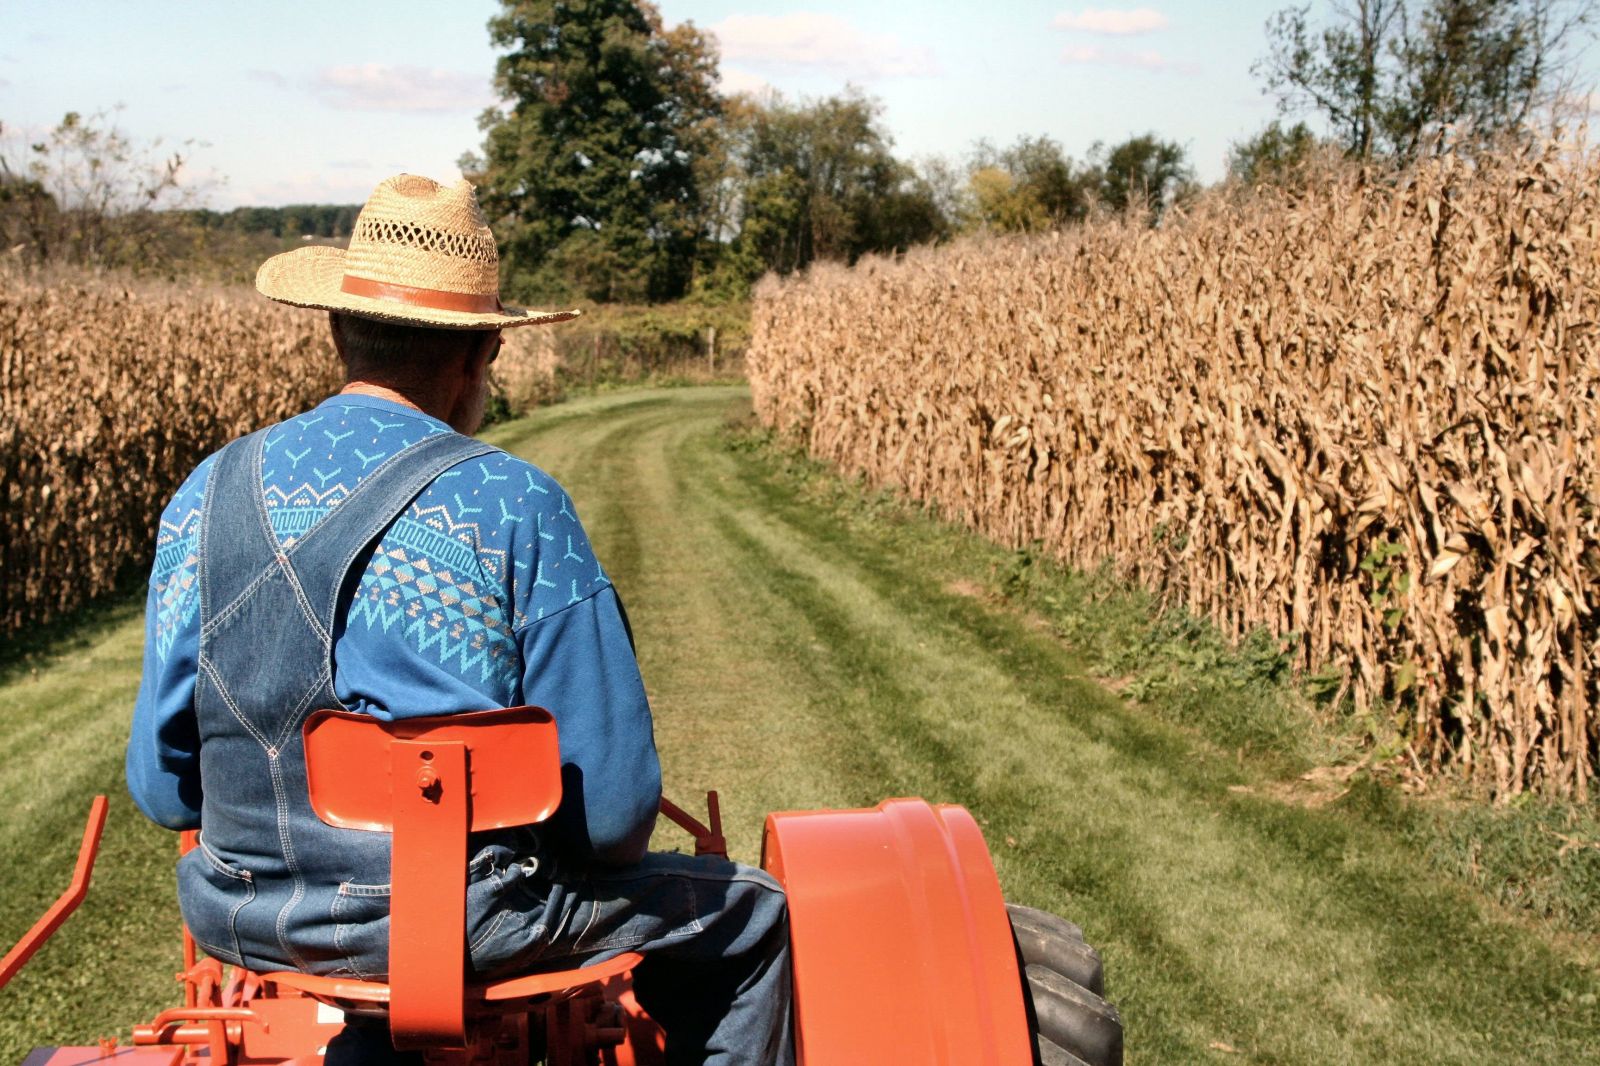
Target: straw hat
(421, 254)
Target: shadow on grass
(1536, 857)
(76, 631)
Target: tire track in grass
(945, 682)
(1339, 932)
(934, 732)
(1325, 922)
(1299, 927)
(637, 485)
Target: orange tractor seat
(902, 946)
(430, 782)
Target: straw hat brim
(311, 277)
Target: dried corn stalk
(109, 396)
(1362, 412)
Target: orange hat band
(438, 299)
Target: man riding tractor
(370, 555)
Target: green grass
(1536, 857)
(808, 645)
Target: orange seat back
(429, 782)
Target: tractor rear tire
(1056, 944)
(1071, 1025)
(1047, 1054)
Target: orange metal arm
(68, 901)
(707, 841)
(169, 1022)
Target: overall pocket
(211, 893)
(628, 912)
(505, 911)
(361, 928)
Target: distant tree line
(1391, 80)
(85, 193)
(333, 221)
(615, 170)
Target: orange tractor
(904, 950)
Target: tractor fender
(901, 945)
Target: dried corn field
(1362, 413)
(110, 394)
(112, 390)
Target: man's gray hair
(392, 353)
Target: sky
(296, 102)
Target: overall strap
(240, 550)
(321, 559)
(237, 546)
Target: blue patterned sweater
(483, 593)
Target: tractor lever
(68, 901)
(707, 841)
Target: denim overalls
(270, 885)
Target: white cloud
(808, 41)
(24, 133)
(1144, 59)
(1577, 106)
(735, 81)
(270, 77)
(1112, 22)
(306, 187)
(378, 87)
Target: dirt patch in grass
(1312, 789)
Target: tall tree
(1388, 75)
(1144, 171)
(1031, 185)
(588, 173)
(1273, 156)
(818, 180)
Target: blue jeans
(714, 935)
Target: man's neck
(427, 405)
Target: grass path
(799, 656)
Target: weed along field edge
(806, 645)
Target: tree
(818, 180)
(590, 170)
(997, 201)
(1032, 185)
(902, 211)
(87, 193)
(945, 182)
(1488, 64)
(29, 215)
(1144, 171)
(1274, 155)
(1389, 75)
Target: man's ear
(338, 337)
(482, 354)
(470, 362)
(492, 340)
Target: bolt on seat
(430, 782)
